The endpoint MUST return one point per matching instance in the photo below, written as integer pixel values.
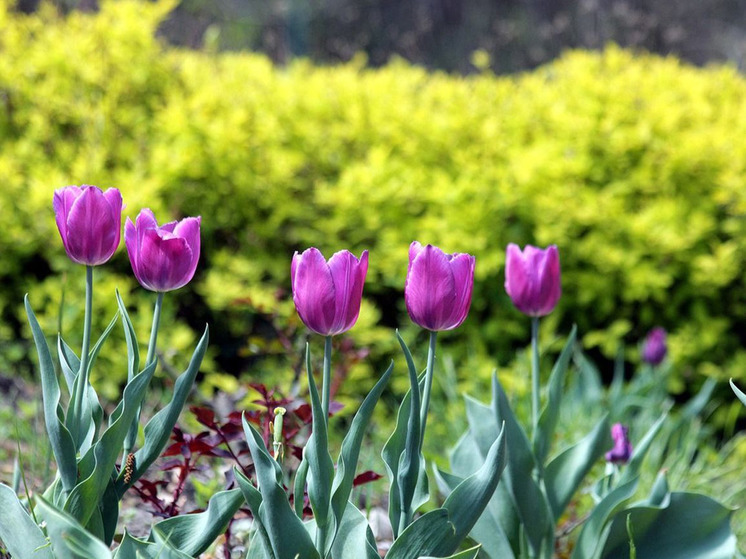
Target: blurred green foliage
(632, 164)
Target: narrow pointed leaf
(192, 534)
(69, 539)
(354, 538)
(260, 543)
(18, 531)
(566, 472)
(641, 449)
(550, 413)
(133, 548)
(740, 394)
(467, 554)
(285, 531)
(60, 438)
(596, 529)
(320, 465)
(350, 452)
(158, 429)
(689, 525)
(528, 498)
(84, 498)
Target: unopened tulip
(438, 287)
(163, 257)
(532, 279)
(89, 222)
(654, 348)
(327, 295)
(622, 450)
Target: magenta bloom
(438, 287)
(532, 278)
(89, 221)
(163, 258)
(327, 295)
(654, 349)
(622, 450)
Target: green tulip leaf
(133, 548)
(60, 438)
(158, 429)
(531, 504)
(740, 394)
(285, 532)
(565, 473)
(69, 539)
(683, 525)
(98, 464)
(632, 469)
(320, 465)
(596, 529)
(408, 485)
(471, 553)
(350, 452)
(354, 537)
(550, 413)
(192, 534)
(18, 531)
(93, 414)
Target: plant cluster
(504, 498)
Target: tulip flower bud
(438, 287)
(163, 257)
(327, 295)
(532, 278)
(622, 450)
(89, 222)
(654, 347)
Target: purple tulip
(532, 278)
(327, 295)
(163, 258)
(89, 221)
(438, 287)
(622, 449)
(654, 347)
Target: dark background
(443, 34)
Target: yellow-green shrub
(632, 164)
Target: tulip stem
(327, 378)
(81, 384)
(154, 328)
(428, 386)
(535, 385)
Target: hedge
(632, 164)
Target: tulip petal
(429, 291)
(314, 293)
(92, 228)
(189, 230)
(348, 274)
(164, 263)
(462, 266)
(532, 278)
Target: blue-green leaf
(286, 533)
(132, 548)
(18, 531)
(565, 473)
(529, 500)
(550, 413)
(596, 529)
(632, 469)
(740, 394)
(686, 525)
(98, 465)
(471, 553)
(60, 438)
(158, 429)
(70, 540)
(348, 456)
(192, 534)
(320, 465)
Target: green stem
(81, 385)
(154, 329)
(428, 386)
(327, 378)
(129, 440)
(535, 386)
